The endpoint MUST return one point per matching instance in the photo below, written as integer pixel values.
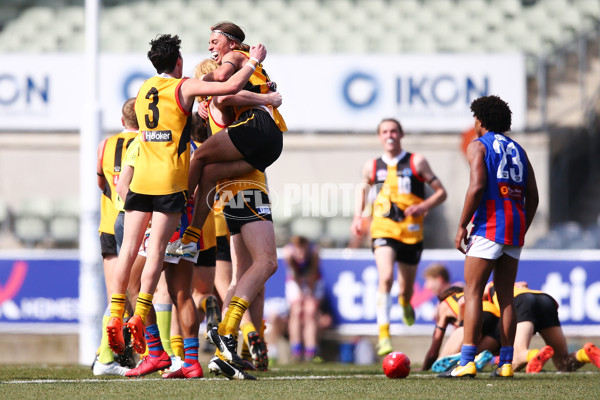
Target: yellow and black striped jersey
(113, 155)
(259, 78)
(397, 186)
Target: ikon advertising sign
(337, 93)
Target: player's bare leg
(406, 281)
(384, 259)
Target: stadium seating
(31, 220)
(570, 235)
(64, 226)
(308, 26)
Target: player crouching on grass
(537, 311)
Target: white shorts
(168, 259)
(481, 247)
(293, 291)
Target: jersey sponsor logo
(405, 172)
(414, 227)
(512, 192)
(381, 174)
(157, 136)
(263, 210)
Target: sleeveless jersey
(500, 216)
(112, 158)
(490, 307)
(452, 301)
(228, 188)
(259, 78)
(517, 291)
(397, 186)
(163, 163)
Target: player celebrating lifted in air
(158, 191)
(501, 201)
(253, 142)
(399, 178)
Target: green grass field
(307, 381)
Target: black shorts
(490, 325)
(246, 206)
(108, 244)
(405, 253)
(207, 258)
(166, 203)
(256, 135)
(538, 308)
(223, 249)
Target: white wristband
(254, 59)
(251, 66)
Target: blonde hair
(203, 68)
(129, 116)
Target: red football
(396, 365)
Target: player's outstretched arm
(439, 195)
(247, 98)
(196, 87)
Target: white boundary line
(268, 378)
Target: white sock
(384, 307)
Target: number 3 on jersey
(514, 166)
(152, 123)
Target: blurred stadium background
(551, 47)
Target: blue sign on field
(38, 290)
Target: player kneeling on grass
(537, 311)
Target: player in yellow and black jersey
(158, 190)
(537, 312)
(245, 206)
(450, 312)
(111, 153)
(398, 180)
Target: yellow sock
(143, 305)
(263, 327)
(105, 354)
(246, 328)
(246, 351)
(191, 234)
(582, 356)
(177, 346)
(117, 305)
(163, 320)
(532, 353)
(402, 301)
(384, 331)
(231, 322)
(203, 304)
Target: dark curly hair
(493, 113)
(164, 52)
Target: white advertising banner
(337, 93)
